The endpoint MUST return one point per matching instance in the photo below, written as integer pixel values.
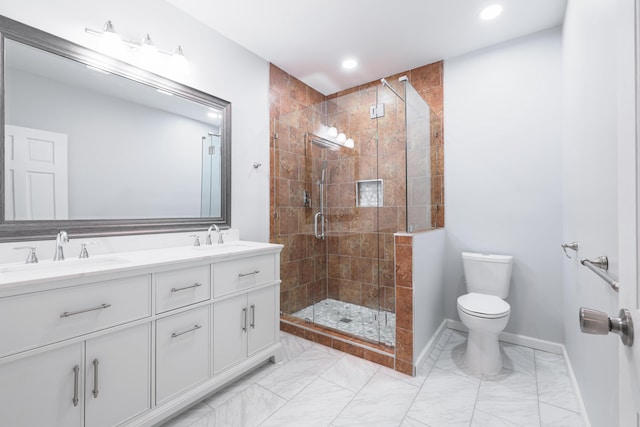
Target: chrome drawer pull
(177, 334)
(76, 371)
(195, 285)
(248, 274)
(95, 378)
(73, 313)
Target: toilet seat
(484, 306)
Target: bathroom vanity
(133, 338)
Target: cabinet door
(183, 358)
(230, 325)
(118, 376)
(39, 390)
(262, 319)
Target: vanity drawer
(179, 288)
(183, 352)
(238, 274)
(33, 320)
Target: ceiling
(310, 39)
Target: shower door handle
(318, 220)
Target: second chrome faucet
(220, 239)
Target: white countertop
(18, 275)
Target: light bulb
(349, 143)
(148, 51)
(342, 138)
(110, 41)
(332, 132)
(179, 61)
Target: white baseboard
(426, 351)
(535, 343)
(574, 383)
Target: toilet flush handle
(598, 323)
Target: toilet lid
(481, 305)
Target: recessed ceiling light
(349, 63)
(491, 12)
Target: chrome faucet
(61, 238)
(208, 241)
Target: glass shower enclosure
(350, 172)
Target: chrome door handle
(73, 313)
(598, 323)
(244, 319)
(76, 374)
(195, 285)
(253, 316)
(95, 378)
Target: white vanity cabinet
(103, 381)
(134, 344)
(243, 325)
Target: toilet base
(483, 352)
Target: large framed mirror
(96, 146)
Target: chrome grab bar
(195, 285)
(599, 266)
(177, 334)
(256, 271)
(319, 219)
(73, 313)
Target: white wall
(590, 196)
(502, 174)
(217, 66)
(428, 290)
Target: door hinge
(212, 150)
(376, 111)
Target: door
(262, 319)
(40, 390)
(230, 325)
(35, 174)
(629, 214)
(118, 376)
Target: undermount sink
(222, 247)
(72, 265)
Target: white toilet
(483, 309)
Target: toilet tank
(487, 273)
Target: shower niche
(338, 262)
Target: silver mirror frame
(41, 230)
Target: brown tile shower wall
(303, 265)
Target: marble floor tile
(240, 384)
(410, 422)
(249, 408)
(483, 419)
(511, 396)
(351, 373)
(518, 358)
(293, 346)
(201, 415)
(299, 372)
(382, 402)
(434, 404)
(452, 358)
(552, 416)
(554, 383)
(316, 405)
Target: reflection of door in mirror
(35, 174)
(211, 176)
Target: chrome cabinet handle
(195, 285)
(95, 378)
(253, 316)
(76, 374)
(73, 313)
(248, 274)
(177, 334)
(244, 319)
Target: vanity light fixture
(333, 138)
(111, 43)
(491, 12)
